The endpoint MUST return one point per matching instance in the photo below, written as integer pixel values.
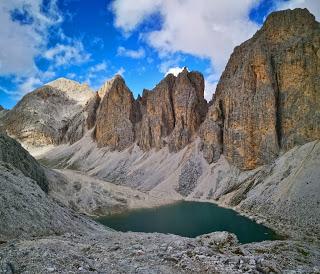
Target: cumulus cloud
(27, 26)
(62, 54)
(23, 33)
(130, 15)
(29, 84)
(135, 54)
(99, 67)
(205, 28)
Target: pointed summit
(116, 80)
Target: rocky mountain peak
(67, 85)
(81, 93)
(1, 108)
(268, 93)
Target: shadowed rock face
(269, 92)
(189, 107)
(158, 117)
(116, 116)
(211, 135)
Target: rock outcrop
(172, 112)
(116, 116)
(3, 112)
(268, 94)
(83, 121)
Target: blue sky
(90, 41)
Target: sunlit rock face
(268, 96)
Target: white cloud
(29, 84)
(210, 84)
(71, 75)
(204, 28)
(21, 40)
(67, 54)
(99, 67)
(312, 5)
(94, 76)
(135, 54)
(168, 62)
(26, 29)
(175, 71)
(121, 71)
(129, 14)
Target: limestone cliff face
(189, 107)
(158, 117)
(268, 94)
(211, 135)
(51, 114)
(83, 121)
(116, 116)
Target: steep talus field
(12, 152)
(25, 209)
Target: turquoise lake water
(189, 219)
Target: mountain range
(254, 147)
